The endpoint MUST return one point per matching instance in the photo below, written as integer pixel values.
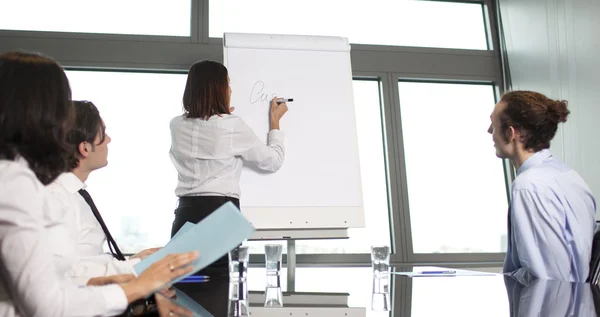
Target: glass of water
(237, 305)
(273, 259)
(380, 300)
(238, 263)
(380, 259)
(273, 294)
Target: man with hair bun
(551, 218)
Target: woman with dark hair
(35, 114)
(209, 145)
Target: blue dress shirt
(551, 222)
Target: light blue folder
(213, 237)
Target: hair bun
(560, 111)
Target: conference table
(348, 292)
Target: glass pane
(143, 17)
(135, 192)
(385, 22)
(456, 185)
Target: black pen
(280, 100)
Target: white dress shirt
(36, 249)
(91, 260)
(209, 154)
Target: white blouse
(209, 154)
(36, 252)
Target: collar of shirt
(218, 116)
(534, 160)
(211, 118)
(71, 182)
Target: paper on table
(213, 237)
(458, 273)
(187, 226)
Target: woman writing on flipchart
(209, 145)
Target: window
(456, 185)
(170, 18)
(372, 156)
(135, 192)
(386, 22)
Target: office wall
(553, 48)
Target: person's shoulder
(21, 193)
(241, 127)
(533, 183)
(65, 183)
(542, 175)
(228, 121)
(18, 168)
(236, 119)
(224, 117)
(16, 175)
(214, 119)
(528, 180)
(177, 119)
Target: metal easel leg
(291, 265)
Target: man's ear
(513, 134)
(83, 149)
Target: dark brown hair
(206, 91)
(35, 113)
(88, 124)
(534, 115)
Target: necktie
(112, 244)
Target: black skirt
(194, 209)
